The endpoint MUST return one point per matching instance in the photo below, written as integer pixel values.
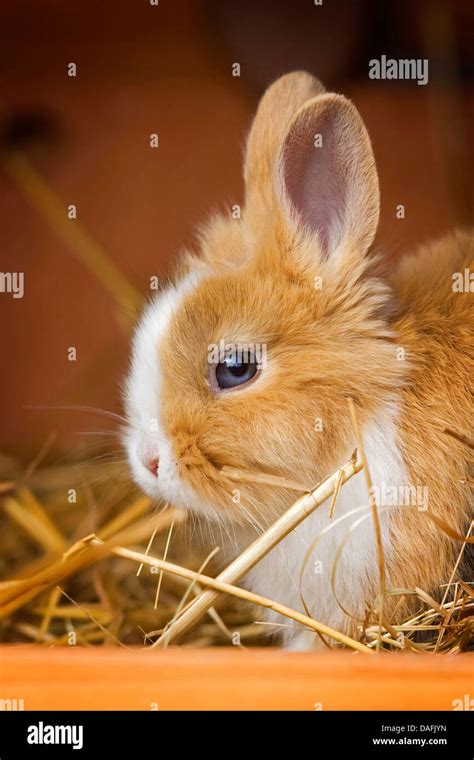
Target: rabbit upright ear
(327, 174)
(276, 109)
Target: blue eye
(232, 372)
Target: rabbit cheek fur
(297, 275)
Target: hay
(106, 570)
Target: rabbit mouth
(181, 472)
(181, 475)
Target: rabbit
(298, 282)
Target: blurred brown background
(168, 69)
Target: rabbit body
(298, 275)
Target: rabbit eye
(231, 372)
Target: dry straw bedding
(109, 570)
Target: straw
(240, 593)
(301, 509)
(89, 253)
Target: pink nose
(152, 463)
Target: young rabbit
(296, 285)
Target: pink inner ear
(314, 177)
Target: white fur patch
(142, 393)
(278, 575)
